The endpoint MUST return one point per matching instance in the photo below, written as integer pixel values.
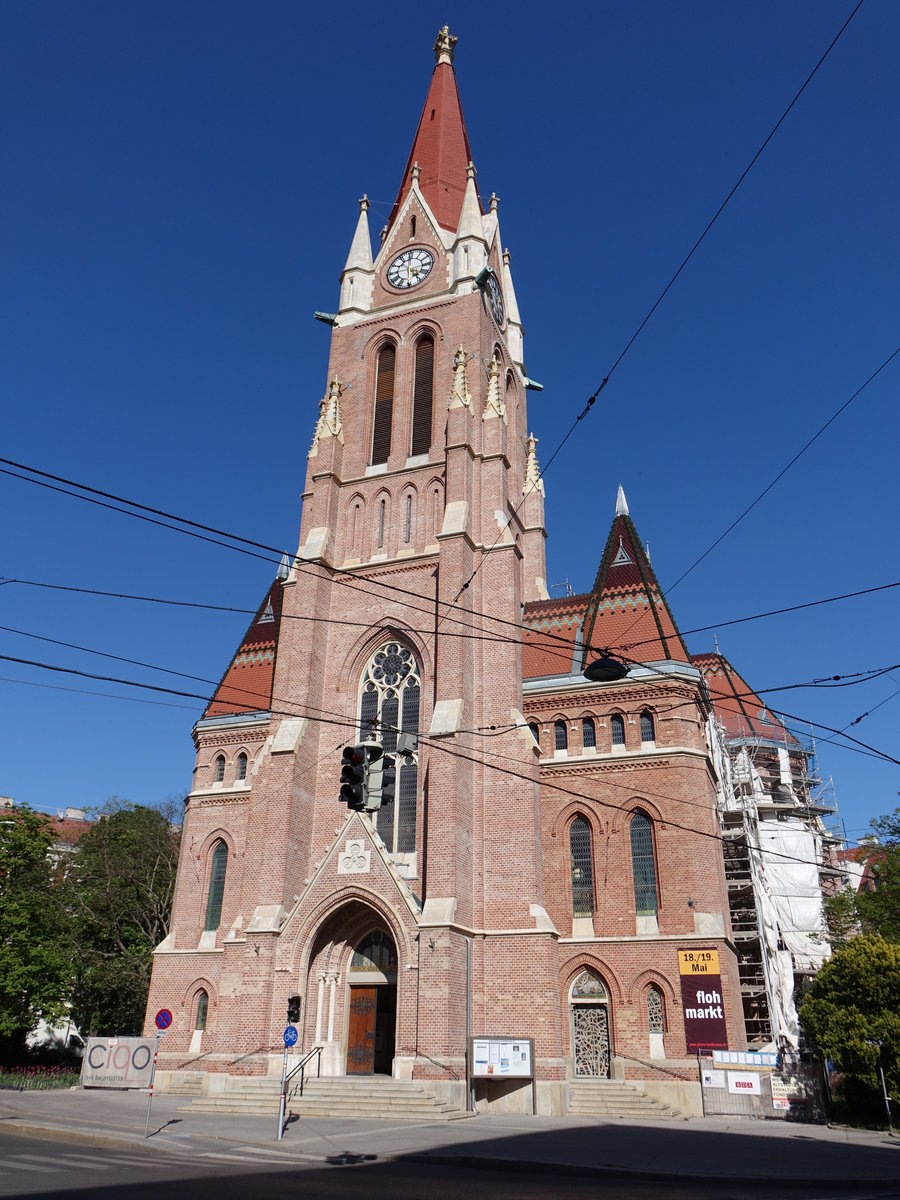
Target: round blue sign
(290, 1036)
(163, 1019)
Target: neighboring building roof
(70, 830)
(549, 640)
(247, 684)
(625, 613)
(440, 147)
(740, 711)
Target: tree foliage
(120, 896)
(34, 945)
(852, 1005)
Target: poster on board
(501, 1058)
(701, 999)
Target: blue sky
(180, 187)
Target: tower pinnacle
(444, 45)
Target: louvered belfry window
(423, 394)
(384, 404)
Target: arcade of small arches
(616, 739)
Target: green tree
(853, 1004)
(35, 965)
(120, 896)
(879, 910)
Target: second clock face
(495, 297)
(410, 268)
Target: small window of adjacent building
(217, 867)
(588, 733)
(617, 730)
(582, 870)
(242, 765)
(560, 735)
(648, 730)
(219, 768)
(202, 1008)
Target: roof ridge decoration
(441, 144)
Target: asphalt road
(38, 1167)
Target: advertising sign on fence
(124, 1062)
(744, 1083)
(701, 999)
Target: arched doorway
(589, 1012)
(372, 1008)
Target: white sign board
(713, 1079)
(501, 1057)
(124, 1062)
(745, 1058)
(744, 1083)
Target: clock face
(410, 268)
(495, 298)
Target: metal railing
(316, 1053)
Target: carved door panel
(361, 1034)
(591, 1028)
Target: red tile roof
(627, 613)
(548, 643)
(738, 708)
(247, 684)
(441, 148)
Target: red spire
(441, 145)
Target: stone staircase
(608, 1099)
(372, 1096)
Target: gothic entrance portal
(589, 1007)
(372, 979)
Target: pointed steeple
(441, 145)
(627, 613)
(470, 213)
(360, 256)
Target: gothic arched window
(617, 730)
(384, 404)
(642, 865)
(535, 732)
(389, 705)
(202, 1009)
(648, 730)
(582, 870)
(656, 1017)
(218, 864)
(242, 765)
(560, 735)
(588, 733)
(423, 394)
(219, 768)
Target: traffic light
(376, 767)
(293, 1010)
(353, 777)
(389, 778)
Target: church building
(540, 899)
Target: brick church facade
(547, 860)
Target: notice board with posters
(501, 1058)
(701, 999)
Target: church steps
(606, 1098)
(369, 1097)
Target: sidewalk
(705, 1148)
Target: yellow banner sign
(698, 962)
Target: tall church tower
(422, 537)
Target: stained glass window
(202, 1007)
(560, 735)
(617, 730)
(648, 732)
(588, 733)
(217, 867)
(642, 865)
(582, 869)
(655, 1010)
(375, 953)
(219, 768)
(389, 705)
